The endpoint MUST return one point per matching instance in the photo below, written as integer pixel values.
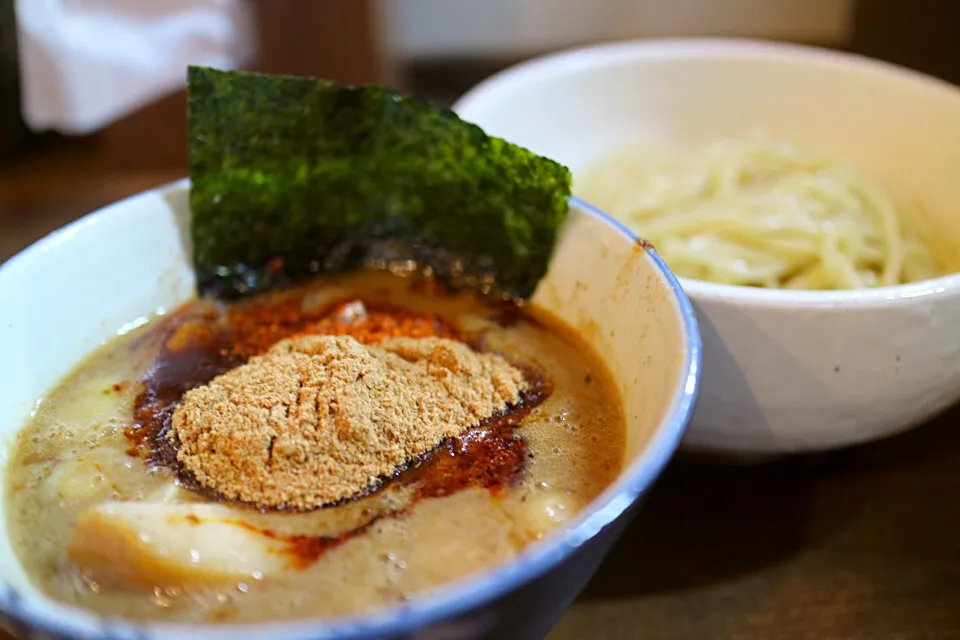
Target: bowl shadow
(709, 523)
(703, 524)
(708, 520)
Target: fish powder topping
(321, 419)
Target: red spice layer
(203, 341)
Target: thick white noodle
(760, 212)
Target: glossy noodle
(761, 212)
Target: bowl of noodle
(806, 198)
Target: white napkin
(86, 63)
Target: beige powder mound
(319, 419)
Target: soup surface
(103, 515)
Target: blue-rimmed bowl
(77, 288)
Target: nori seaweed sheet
(296, 176)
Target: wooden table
(862, 544)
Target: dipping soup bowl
(113, 270)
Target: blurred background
(92, 107)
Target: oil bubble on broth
(103, 515)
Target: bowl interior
(899, 127)
(115, 269)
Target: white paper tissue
(86, 63)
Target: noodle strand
(760, 212)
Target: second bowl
(784, 371)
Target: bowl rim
(577, 59)
(470, 593)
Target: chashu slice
(149, 544)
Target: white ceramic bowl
(784, 371)
(112, 270)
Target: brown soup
(103, 515)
